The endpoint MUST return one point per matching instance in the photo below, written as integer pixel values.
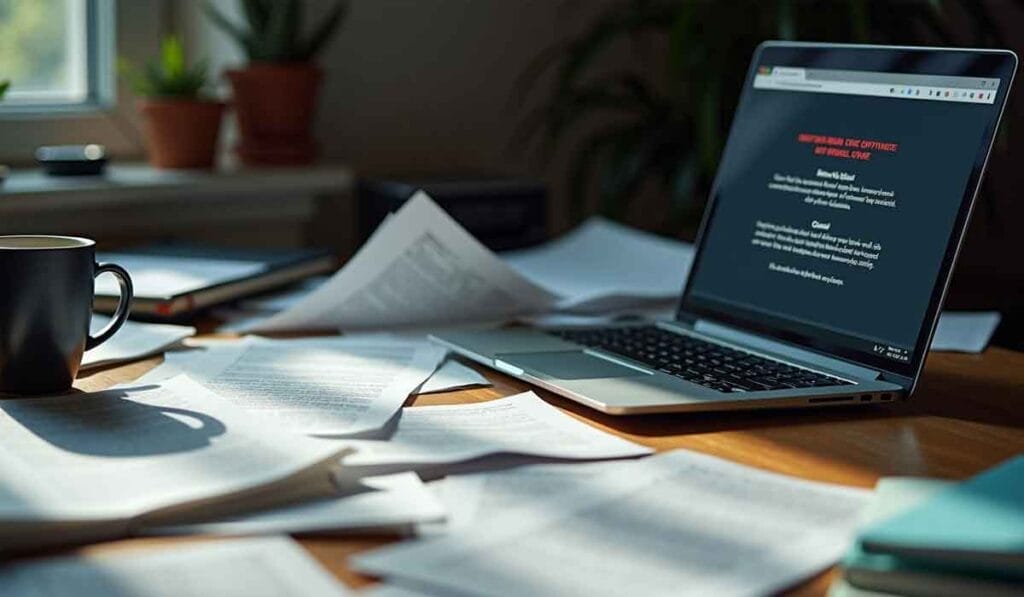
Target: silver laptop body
(615, 384)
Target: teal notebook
(871, 574)
(977, 524)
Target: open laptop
(842, 198)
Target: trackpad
(568, 365)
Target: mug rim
(82, 242)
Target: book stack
(927, 537)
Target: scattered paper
(965, 331)
(335, 386)
(420, 267)
(133, 341)
(604, 266)
(453, 375)
(133, 449)
(265, 567)
(470, 497)
(160, 276)
(389, 503)
(679, 521)
(524, 425)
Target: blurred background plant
(664, 117)
(169, 76)
(4, 84)
(273, 31)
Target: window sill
(138, 202)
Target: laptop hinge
(761, 343)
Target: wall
(423, 86)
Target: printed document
(133, 449)
(675, 522)
(133, 341)
(333, 386)
(265, 567)
(388, 503)
(522, 425)
(419, 268)
(602, 266)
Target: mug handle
(124, 304)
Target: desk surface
(965, 417)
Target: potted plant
(181, 125)
(275, 95)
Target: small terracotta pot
(275, 105)
(181, 133)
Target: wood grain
(965, 417)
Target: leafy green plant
(170, 76)
(273, 29)
(4, 85)
(663, 122)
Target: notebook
(977, 524)
(172, 281)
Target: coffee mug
(46, 294)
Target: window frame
(100, 74)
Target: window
(58, 54)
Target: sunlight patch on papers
(676, 520)
(335, 386)
(265, 567)
(427, 436)
(389, 503)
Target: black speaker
(502, 213)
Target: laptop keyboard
(704, 363)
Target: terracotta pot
(275, 105)
(181, 133)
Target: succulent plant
(170, 76)
(273, 29)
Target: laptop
(841, 201)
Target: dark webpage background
(938, 143)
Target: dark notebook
(174, 281)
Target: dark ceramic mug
(46, 294)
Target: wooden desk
(965, 417)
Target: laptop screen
(842, 196)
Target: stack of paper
(431, 439)
(335, 386)
(673, 522)
(268, 567)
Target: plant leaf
(243, 38)
(4, 86)
(323, 32)
(282, 31)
